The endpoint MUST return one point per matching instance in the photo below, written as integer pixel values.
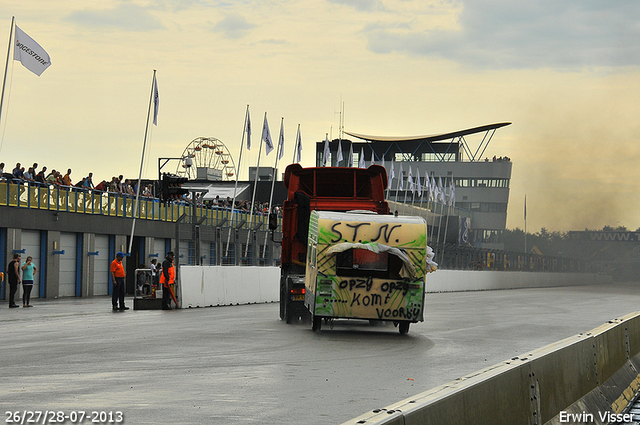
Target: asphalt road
(242, 365)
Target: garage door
(186, 253)
(159, 249)
(68, 243)
(101, 266)
(31, 245)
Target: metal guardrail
(77, 200)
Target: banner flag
(361, 161)
(30, 54)
(410, 186)
(266, 136)
(299, 143)
(351, 155)
(392, 175)
(156, 100)
(281, 140)
(373, 158)
(418, 183)
(247, 129)
(327, 151)
(340, 158)
(452, 194)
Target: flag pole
(404, 202)
(449, 209)
(253, 196)
(235, 187)
(297, 148)
(6, 67)
(279, 152)
(144, 147)
(525, 224)
(398, 186)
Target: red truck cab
(322, 189)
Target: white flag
(266, 136)
(373, 159)
(441, 192)
(400, 178)
(351, 155)
(281, 140)
(418, 182)
(156, 100)
(383, 166)
(361, 162)
(452, 194)
(410, 180)
(392, 175)
(247, 129)
(327, 151)
(30, 54)
(299, 143)
(433, 189)
(340, 158)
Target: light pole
(188, 162)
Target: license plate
(298, 297)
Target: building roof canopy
(431, 138)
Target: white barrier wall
(470, 280)
(204, 286)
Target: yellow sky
(564, 73)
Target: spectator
(51, 178)
(29, 175)
(66, 180)
(113, 186)
(18, 172)
(103, 186)
(88, 182)
(40, 177)
(1, 168)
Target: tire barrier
(586, 378)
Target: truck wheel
(316, 323)
(404, 328)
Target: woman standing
(28, 270)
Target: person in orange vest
(117, 275)
(168, 277)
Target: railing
(455, 257)
(84, 201)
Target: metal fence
(214, 236)
(77, 200)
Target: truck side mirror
(273, 221)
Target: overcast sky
(565, 73)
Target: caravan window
(362, 262)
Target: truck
(351, 196)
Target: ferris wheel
(207, 158)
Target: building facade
(481, 184)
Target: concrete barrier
(204, 286)
(592, 376)
(470, 280)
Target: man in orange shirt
(117, 275)
(66, 180)
(167, 278)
